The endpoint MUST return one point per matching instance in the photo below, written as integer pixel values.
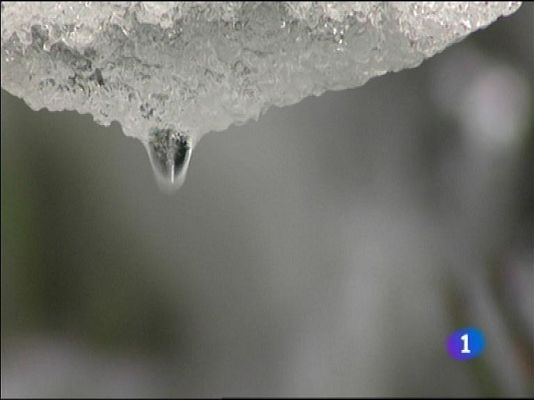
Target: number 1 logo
(466, 344)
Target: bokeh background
(327, 249)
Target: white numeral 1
(465, 339)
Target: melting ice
(169, 72)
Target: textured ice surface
(170, 71)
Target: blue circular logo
(466, 344)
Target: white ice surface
(182, 69)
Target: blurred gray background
(327, 249)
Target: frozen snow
(187, 68)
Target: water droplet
(169, 153)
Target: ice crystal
(187, 68)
